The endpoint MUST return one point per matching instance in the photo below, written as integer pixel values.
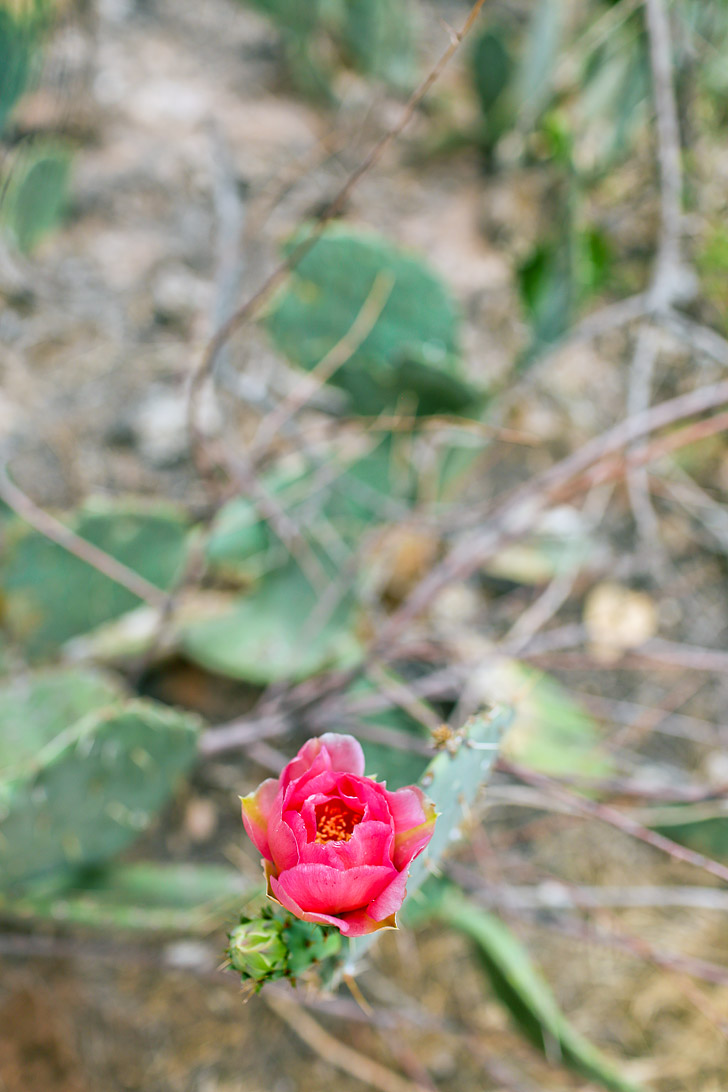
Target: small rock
(178, 294)
(617, 619)
(161, 425)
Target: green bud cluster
(267, 947)
(257, 949)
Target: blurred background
(374, 504)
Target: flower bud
(257, 949)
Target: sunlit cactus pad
(93, 789)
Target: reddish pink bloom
(337, 846)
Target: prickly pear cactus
(92, 790)
(49, 595)
(36, 193)
(410, 354)
(38, 706)
(143, 897)
(452, 781)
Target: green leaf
(525, 994)
(144, 896)
(297, 18)
(37, 707)
(409, 357)
(92, 790)
(36, 194)
(615, 86)
(550, 732)
(547, 289)
(273, 633)
(50, 595)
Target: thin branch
(333, 1051)
(615, 819)
(667, 285)
(85, 551)
(518, 511)
(636, 946)
(673, 724)
(607, 319)
(702, 339)
(337, 355)
(556, 896)
(690, 657)
(242, 733)
(639, 398)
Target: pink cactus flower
(337, 845)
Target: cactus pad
(452, 781)
(50, 595)
(409, 356)
(37, 707)
(92, 790)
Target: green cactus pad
(272, 634)
(452, 781)
(50, 595)
(17, 43)
(37, 707)
(355, 496)
(37, 193)
(410, 355)
(92, 790)
(143, 897)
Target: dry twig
(615, 819)
(333, 1051)
(63, 536)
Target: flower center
(335, 822)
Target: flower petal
(322, 784)
(390, 901)
(345, 753)
(308, 757)
(407, 807)
(370, 844)
(354, 924)
(414, 821)
(283, 840)
(257, 807)
(320, 889)
(359, 923)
